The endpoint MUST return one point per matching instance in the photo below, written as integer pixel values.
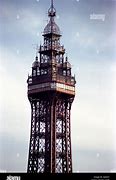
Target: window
(45, 71)
(64, 72)
(68, 73)
(42, 72)
(34, 72)
(53, 85)
(38, 71)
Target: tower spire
(52, 3)
(52, 10)
(52, 27)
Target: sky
(88, 33)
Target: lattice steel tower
(51, 91)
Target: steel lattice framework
(51, 91)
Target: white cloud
(38, 34)
(28, 20)
(97, 51)
(2, 171)
(57, 16)
(14, 104)
(17, 51)
(17, 155)
(77, 34)
(82, 39)
(98, 155)
(31, 20)
(93, 110)
(113, 170)
(17, 17)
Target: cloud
(2, 171)
(113, 170)
(17, 155)
(93, 110)
(30, 21)
(92, 40)
(14, 105)
(22, 20)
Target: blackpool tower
(51, 91)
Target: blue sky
(91, 47)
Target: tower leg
(50, 142)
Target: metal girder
(50, 141)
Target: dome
(52, 27)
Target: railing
(48, 47)
(66, 79)
(46, 78)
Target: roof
(52, 27)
